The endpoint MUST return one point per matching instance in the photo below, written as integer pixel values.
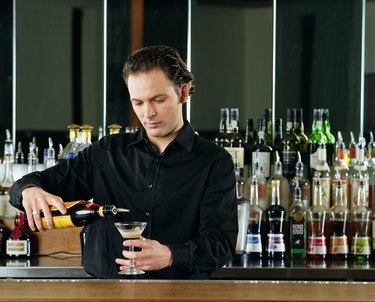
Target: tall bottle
(316, 216)
(51, 154)
(249, 141)
(236, 141)
(267, 115)
(277, 143)
(340, 170)
(284, 184)
(297, 225)
(80, 213)
(242, 211)
(314, 141)
(360, 216)
(299, 130)
(330, 138)
(359, 171)
(352, 152)
(338, 217)
(303, 184)
(254, 231)
(31, 158)
(221, 138)
(19, 157)
(323, 172)
(275, 216)
(7, 180)
(371, 171)
(19, 241)
(263, 151)
(70, 149)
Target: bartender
(181, 184)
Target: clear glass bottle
(338, 218)
(284, 184)
(36, 149)
(73, 143)
(7, 180)
(340, 170)
(299, 130)
(330, 137)
(275, 216)
(254, 247)
(114, 128)
(303, 183)
(360, 217)
(31, 158)
(221, 138)
(352, 152)
(290, 146)
(19, 157)
(360, 171)
(19, 242)
(236, 141)
(316, 217)
(297, 225)
(51, 154)
(85, 142)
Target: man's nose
(150, 111)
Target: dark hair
(159, 57)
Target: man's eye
(159, 100)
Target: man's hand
(154, 256)
(34, 200)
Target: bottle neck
(275, 195)
(362, 195)
(317, 200)
(340, 196)
(254, 194)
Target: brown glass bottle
(19, 242)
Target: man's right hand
(35, 200)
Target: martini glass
(131, 230)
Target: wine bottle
(277, 143)
(297, 225)
(299, 130)
(267, 115)
(221, 138)
(330, 138)
(338, 218)
(19, 242)
(80, 213)
(236, 141)
(249, 141)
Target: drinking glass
(131, 230)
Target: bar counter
(184, 291)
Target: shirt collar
(185, 138)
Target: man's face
(157, 102)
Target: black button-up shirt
(186, 195)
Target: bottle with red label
(19, 242)
(316, 216)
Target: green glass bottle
(330, 138)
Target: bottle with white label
(297, 226)
(262, 151)
(236, 141)
(19, 240)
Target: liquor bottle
(85, 141)
(80, 213)
(316, 217)
(359, 172)
(7, 180)
(221, 138)
(275, 216)
(242, 211)
(36, 150)
(338, 218)
(2, 239)
(299, 130)
(297, 225)
(352, 152)
(277, 143)
(371, 171)
(267, 115)
(340, 170)
(323, 172)
(254, 230)
(290, 145)
(284, 184)
(8, 147)
(19, 157)
(19, 242)
(114, 128)
(262, 151)
(31, 158)
(314, 141)
(360, 216)
(262, 185)
(330, 138)
(303, 183)
(236, 141)
(249, 141)
(73, 143)
(51, 156)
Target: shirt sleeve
(218, 223)
(71, 180)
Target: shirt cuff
(180, 255)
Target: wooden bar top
(183, 291)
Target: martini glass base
(131, 271)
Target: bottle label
(345, 188)
(237, 153)
(264, 160)
(276, 243)
(317, 245)
(339, 245)
(326, 192)
(361, 246)
(60, 222)
(297, 233)
(16, 247)
(289, 157)
(314, 160)
(68, 205)
(253, 243)
(354, 192)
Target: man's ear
(184, 92)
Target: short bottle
(19, 157)
(360, 216)
(80, 213)
(338, 218)
(316, 217)
(254, 247)
(19, 242)
(297, 226)
(275, 216)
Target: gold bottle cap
(73, 126)
(87, 127)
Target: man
(182, 185)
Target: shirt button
(147, 214)
(149, 186)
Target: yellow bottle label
(68, 205)
(100, 212)
(60, 222)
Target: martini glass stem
(131, 261)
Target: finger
(57, 202)
(30, 218)
(47, 215)
(141, 243)
(131, 255)
(38, 221)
